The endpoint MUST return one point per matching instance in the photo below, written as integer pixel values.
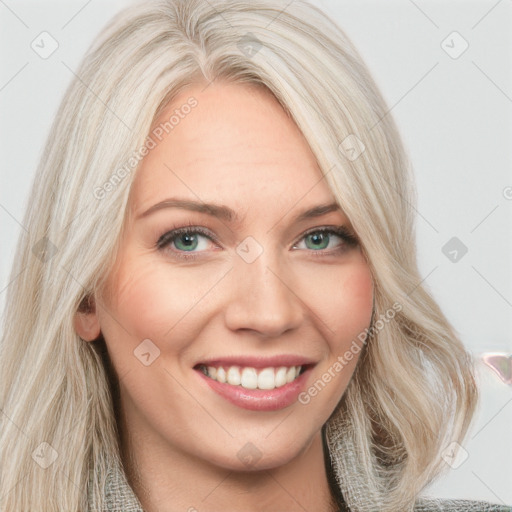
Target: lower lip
(259, 399)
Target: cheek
(149, 301)
(343, 307)
(153, 300)
(344, 304)
(357, 291)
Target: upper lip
(258, 361)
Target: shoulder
(438, 504)
(118, 496)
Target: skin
(180, 440)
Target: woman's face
(253, 290)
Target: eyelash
(343, 233)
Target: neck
(167, 480)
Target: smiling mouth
(251, 378)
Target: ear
(86, 321)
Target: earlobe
(85, 321)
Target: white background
(455, 116)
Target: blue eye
(319, 238)
(187, 242)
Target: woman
(224, 309)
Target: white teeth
(249, 378)
(280, 379)
(291, 374)
(233, 375)
(212, 372)
(221, 375)
(266, 379)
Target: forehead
(236, 145)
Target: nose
(264, 298)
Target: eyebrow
(226, 213)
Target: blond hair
(413, 390)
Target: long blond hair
(413, 391)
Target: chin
(261, 452)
